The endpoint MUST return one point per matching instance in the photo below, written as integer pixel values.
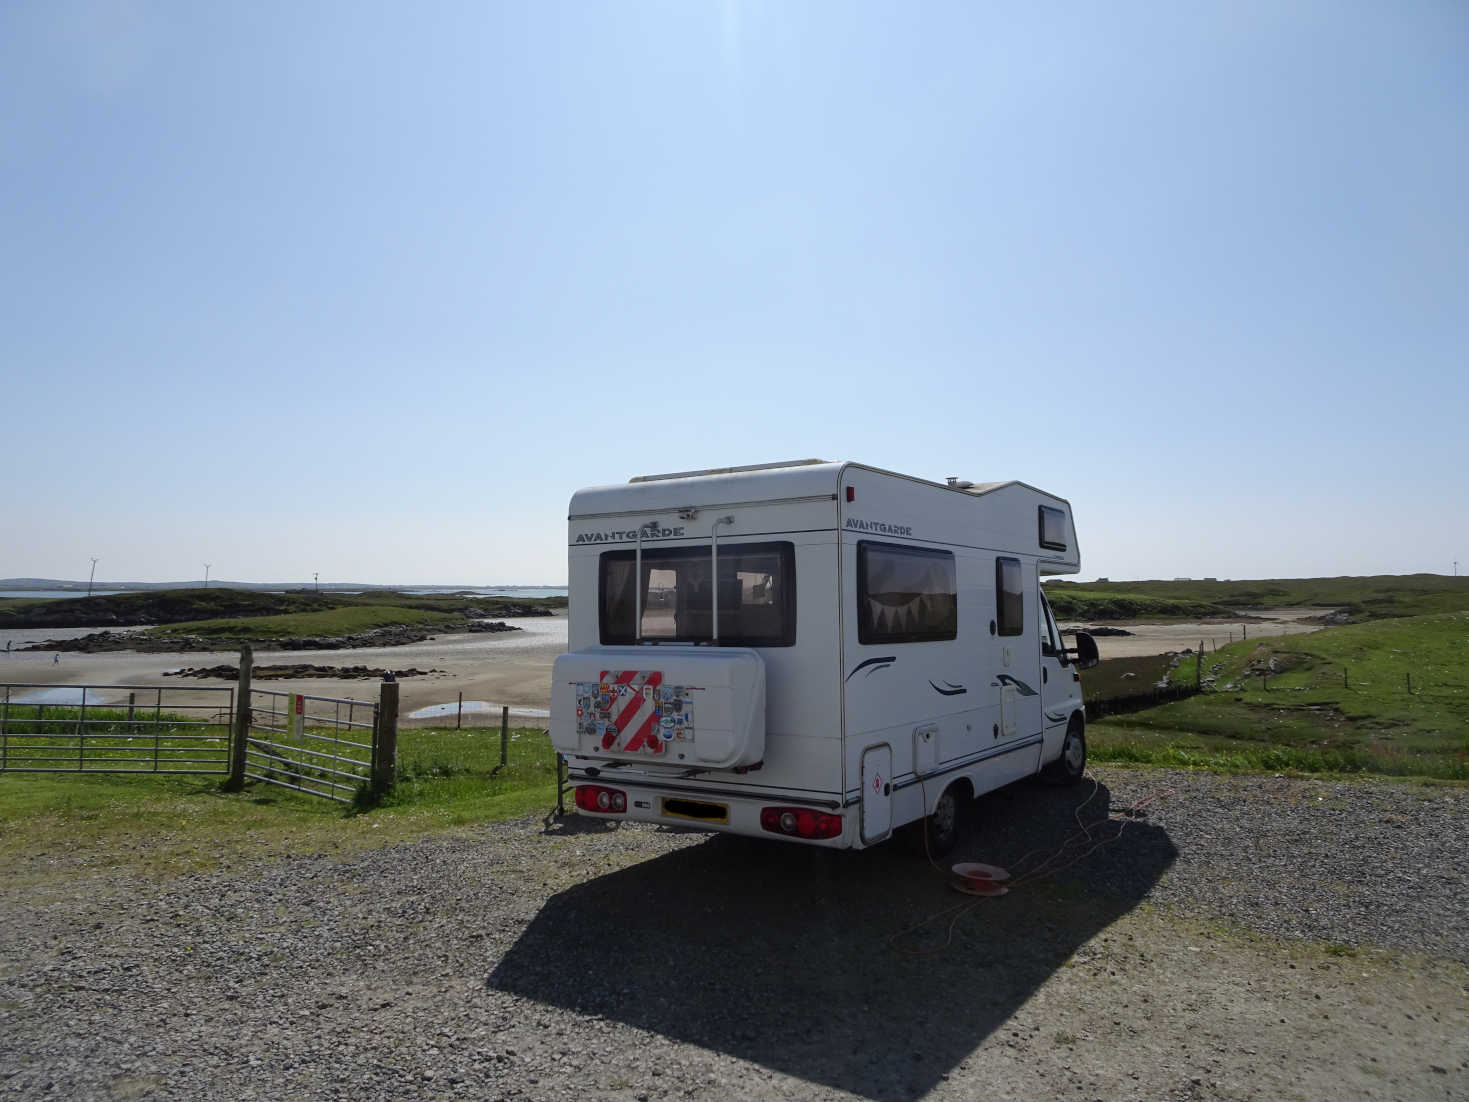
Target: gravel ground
(1242, 937)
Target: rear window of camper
(1053, 528)
(757, 595)
(1009, 597)
(905, 594)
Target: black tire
(1070, 767)
(936, 834)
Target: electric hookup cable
(991, 881)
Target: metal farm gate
(115, 728)
(325, 746)
(320, 745)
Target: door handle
(1045, 675)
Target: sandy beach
(491, 670)
(510, 668)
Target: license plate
(697, 810)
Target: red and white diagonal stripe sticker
(634, 710)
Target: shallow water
(437, 711)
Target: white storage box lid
(678, 706)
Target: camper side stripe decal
(888, 661)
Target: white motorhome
(813, 651)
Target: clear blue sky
(370, 289)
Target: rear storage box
(677, 706)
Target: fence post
(385, 738)
(1199, 670)
(504, 736)
(459, 722)
(241, 734)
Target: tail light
(596, 797)
(800, 822)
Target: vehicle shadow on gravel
(786, 956)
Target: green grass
(330, 622)
(1072, 602)
(1121, 677)
(1367, 598)
(1339, 701)
(178, 606)
(52, 824)
(109, 740)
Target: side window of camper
(1052, 528)
(1009, 597)
(757, 595)
(905, 594)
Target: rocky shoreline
(393, 636)
(297, 672)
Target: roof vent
(957, 483)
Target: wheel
(1069, 767)
(936, 833)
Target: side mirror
(1084, 654)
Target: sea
(494, 591)
(422, 590)
(57, 592)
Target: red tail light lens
(800, 822)
(595, 797)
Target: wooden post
(1409, 676)
(239, 741)
(1199, 669)
(504, 735)
(459, 723)
(1245, 630)
(385, 740)
(1345, 683)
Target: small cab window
(1050, 634)
(1053, 528)
(905, 594)
(757, 595)
(1009, 597)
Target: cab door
(1060, 685)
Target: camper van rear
(821, 652)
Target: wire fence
(115, 728)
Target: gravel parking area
(1243, 937)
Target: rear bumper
(716, 811)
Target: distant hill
(178, 606)
(258, 587)
(1370, 598)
